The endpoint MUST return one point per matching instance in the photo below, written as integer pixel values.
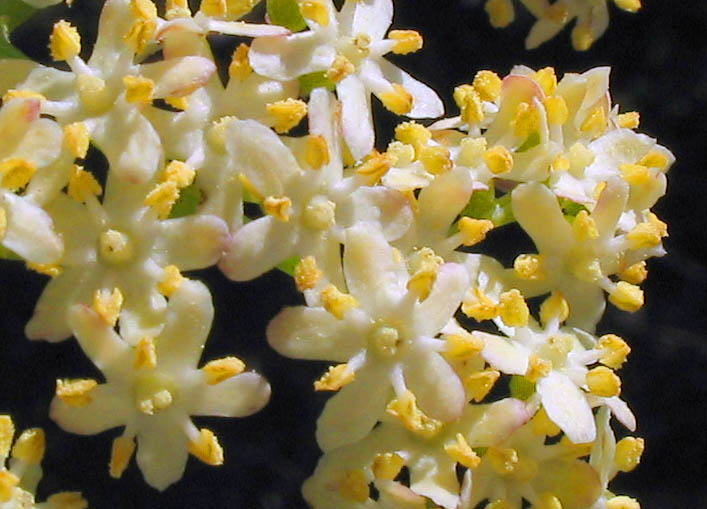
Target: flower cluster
(450, 389)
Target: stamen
(628, 453)
(582, 38)
(120, 454)
(472, 150)
(469, 101)
(462, 346)
(481, 308)
(405, 409)
(335, 378)
(77, 139)
(76, 393)
(547, 79)
(584, 228)
(286, 114)
(307, 274)
(408, 41)
(537, 368)
(542, 425)
(240, 67)
(16, 173)
(602, 381)
(354, 486)
(336, 302)
(279, 208)
(340, 68)
(460, 452)
(616, 350)
(316, 151)
(108, 305)
(30, 446)
(622, 502)
(48, 269)
(162, 198)
(436, 160)
(171, 281)
(513, 309)
(315, 10)
(635, 274)
(488, 85)
(628, 5)
(82, 184)
(145, 356)
(479, 384)
(65, 41)
(501, 13)
(387, 466)
(629, 120)
(498, 159)
(178, 172)
(7, 432)
(138, 89)
(473, 230)
(556, 108)
(399, 101)
(218, 370)
(412, 133)
(206, 448)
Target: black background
(659, 60)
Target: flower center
(384, 341)
(319, 214)
(115, 246)
(154, 392)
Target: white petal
(539, 214)
(610, 206)
(566, 405)
(321, 115)
(245, 29)
(191, 242)
(503, 355)
(98, 340)
(436, 386)
(622, 412)
(426, 102)
(178, 77)
(30, 231)
(287, 58)
(494, 423)
(372, 17)
(109, 408)
(543, 30)
(238, 396)
(356, 121)
(387, 208)
(441, 201)
(432, 314)
(435, 479)
(115, 21)
(161, 452)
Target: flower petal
(387, 208)
(426, 103)
(238, 396)
(435, 478)
(287, 58)
(178, 77)
(30, 231)
(436, 386)
(161, 452)
(508, 358)
(566, 405)
(190, 242)
(356, 122)
(98, 340)
(432, 314)
(372, 17)
(539, 214)
(109, 408)
(494, 423)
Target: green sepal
(188, 201)
(485, 205)
(533, 140)
(288, 266)
(521, 387)
(570, 209)
(12, 14)
(286, 13)
(312, 80)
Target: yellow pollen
(144, 26)
(240, 68)
(354, 486)
(216, 8)
(16, 173)
(635, 174)
(598, 189)
(178, 172)
(407, 41)
(145, 356)
(93, 92)
(180, 103)
(77, 139)
(537, 368)
(502, 461)
(498, 159)
(481, 307)
(171, 281)
(469, 101)
(555, 306)
(76, 393)
(286, 114)
(82, 184)
(622, 502)
(384, 341)
(460, 452)
(412, 133)
(401, 154)
(655, 159)
(526, 121)
(602, 381)
(629, 120)
(617, 350)
(584, 228)
(580, 157)
(547, 79)
(529, 266)
(405, 409)
(120, 454)
(340, 68)
(279, 208)
(336, 302)
(635, 274)
(138, 89)
(30, 446)
(65, 41)
(628, 453)
(387, 466)
(206, 448)
(216, 134)
(425, 274)
(315, 10)
(316, 151)
(462, 346)
(375, 166)
(249, 188)
(115, 246)
(307, 274)
(335, 378)
(513, 309)
(7, 432)
(436, 160)
(8, 481)
(542, 425)
(472, 150)
(560, 163)
(218, 370)
(162, 198)
(647, 234)
(548, 501)
(474, 230)
(488, 85)
(557, 13)
(628, 5)
(595, 121)
(501, 13)
(479, 384)
(398, 101)
(627, 297)
(177, 9)
(582, 38)
(108, 305)
(557, 112)
(48, 269)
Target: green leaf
(485, 205)
(12, 14)
(7, 254)
(188, 201)
(286, 13)
(308, 82)
(288, 266)
(533, 140)
(570, 209)
(521, 387)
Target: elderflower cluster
(424, 330)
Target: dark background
(659, 60)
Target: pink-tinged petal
(494, 423)
(439, 392)
(435, 479)
(575, 483)
(539, 214)
(372, 17)
(191, 242)
(238, 396)
(622, 412)
(566, 405)
(610, 206)
(503, 355)
(257, 247)
(109, 408)
(515, 89)
(433, 313)
(356, 122)
(30, 231)
(426, 103)
(353, 411)
(440, 202)
(98, 340)
(287, 58)
(244, 29)
(161, 452)
(178, 77)
(387, 208)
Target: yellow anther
(555, 306)
(177, 9)
(598, 189)
(239, 8)
(108, 305)
(628, 5)
(474, 230)
(628, 453)
(436, 160)
(602, 381)
(354, 486)
(286, 114)
(547, 79)
(498, 159)
(635, 274)
(82, 184)
(8, 481)
(67, 499)
(21, 94)
(279, 208)
(647, 234)
(513, 309)
(30, 446)
(206, 448)
(145, 356)
(627, 297)
(240, 68)
(584, 228)
(216, 134)
(218, 370)
(488, 85)
(502, 461)
(48, 269)
(387, 465)
(635, 174)
(138, 89)
(77, 139)
(307, 274)
(120, 454)
(180, 103)
(501, 13)
(548, 501)
(171, 280)
(655, 159)
(616, 350)
(76, 393)
(335, 378)
(629, 120)
(406, 410)
(481, 307)
(216, 8)
(412, 133)
(557, 112)
(162, 198)
(93, 92)
(542, 425)
(472, 150)
(560, 163)
(316, 10)
(424, 266)
(336, 302)
(16, 173)
(460, 452)
(529, 266)
(399, 100)
(401, 154)
(375, 166)
(178, 172)
(469, 101)
(479, 384)
(582, 37)
(462, 346)
(622, 502)
(157, 401)
(580, 157)
(537, 368)
(249, 188)
(407, 41)
(144, 26)
(340, 68)
(316, 151)
(595, 121)
(526, 121)
(384, 341)
(65, 41)
(7, 432)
